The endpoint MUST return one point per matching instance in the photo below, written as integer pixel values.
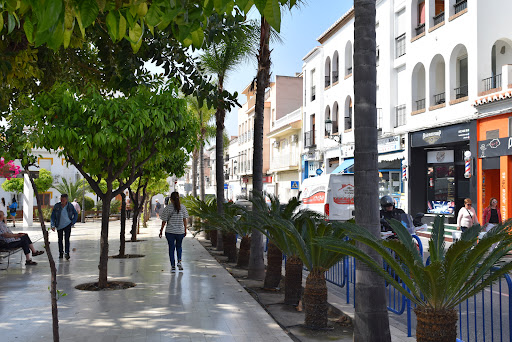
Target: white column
(28, 202)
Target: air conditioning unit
(295, 138)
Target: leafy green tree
(13, 185)
(44, 181)
(17, 143)
(118, 136)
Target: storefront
(495, 162)
(437, 181)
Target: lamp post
(328, 128)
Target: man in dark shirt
(389, 212)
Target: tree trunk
(53, 269)
(147, 211)
(293, 280)
(213, 237)
(436, 325)
(135, 221)
(371, 321)
(274, 266)
(105, 213)
(256, 262)
(244, 252)
(315, 300)
(194, 172)
(201, 167)
(230, 246)
(122, 237)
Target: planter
(436, 325)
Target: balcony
(400, 116)
(400, 45)
(309, 139)
(492, 82)
(438, 19)
(313, 93)
(461, 92)
(334, 77)
(420, 104)
(460, 6)
(327, 81)
(420, 29)
(439, 98)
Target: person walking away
(76, 206)
(17, 240)
(158, 206)
(128, 206)
(175, 217)
(64, 216)
(467, 216)
(492, 215)
(3, 207)
(12, 210)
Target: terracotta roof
(493, 97)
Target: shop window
(389, 183)
(494, 134)
(441, 189)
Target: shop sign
(441, 135)
(441, 207)
(495, 147)
(347, 151)
(267, 179)
(245, 180)
(389, 144)
(309, 156)
(439, 157)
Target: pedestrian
(12, 210)
(158, 206)
(175, 216)
(76, 206)
(18, 240)
(3, 207)
(128, 206)
(492, 216)
(467, 216)
(63, 217)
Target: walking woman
(467, 216)
(492, 216)
(3, 207)
(12, 210)
(175, 216)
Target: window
(313, 90)
(400, 33)
(494, 134)
(44, 198)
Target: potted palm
(450, 277)
(294, 232)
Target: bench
(7, 252)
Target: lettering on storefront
(442, 135)
(389, 144)
(495, 147)
(503, 194)
(432, 137)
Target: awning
(345, 167)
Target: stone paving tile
(203, 303)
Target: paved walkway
(202, 303)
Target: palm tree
(296, 233)
(220, 59)
(264, 221)
(370, 296)
(73, 189)
(436, 287)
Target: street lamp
(328, 128)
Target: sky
(299, 30)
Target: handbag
(12, 210)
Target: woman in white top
(3, 207)
(175, 215)
(467, 216)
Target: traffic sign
(319, 172)
(295, 185)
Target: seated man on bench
(17, 240)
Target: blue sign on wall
(225, 186)
(295, 185)
(319, 172)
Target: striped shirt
(174, 219)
